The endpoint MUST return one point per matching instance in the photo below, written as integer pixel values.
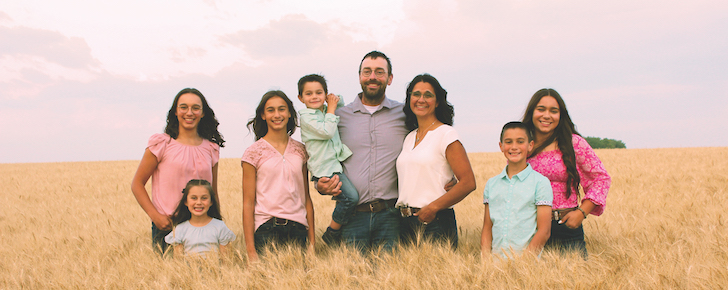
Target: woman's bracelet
(582, 211)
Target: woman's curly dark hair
(207, 128)
(444, 111)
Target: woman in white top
(430, 155)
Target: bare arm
(249, 178)
(309, 212)
(486, 238)
(543, 229)
(144, 172)
(460, 164)
(214, 178)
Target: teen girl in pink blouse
(277, 206)
(188, 149)
(565, 158)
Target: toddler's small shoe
(331, 236)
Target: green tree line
(599, 143)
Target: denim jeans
(367, 230)
(158, 243)
(443, 228)
(345, 202)
(270, 232)
(566, 240)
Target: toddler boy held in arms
(320, 133)
(517, 201)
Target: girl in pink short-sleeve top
(279, 190)
(188, 149)
(277, 206)
(177, 164)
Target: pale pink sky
(90, 80)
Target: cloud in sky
(648, 73)
(71, 52)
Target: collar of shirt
(521, 175)
(359, 106)
(312, 111)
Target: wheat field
(77, 225)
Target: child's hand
(332, 100)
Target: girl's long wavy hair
(207, 128)
(562, 135)
(444, 112)
(260, 127)
(182, 213)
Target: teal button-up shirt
(512, 204)
(320, 133)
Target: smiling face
(423, 100)
(313, 95)
(515, 145)
(198, 201)
(276, 114)
(374, 79)
(189, 111)
(546, 116)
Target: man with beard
(372, 126)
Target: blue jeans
(566, 240)
(443, 228)
(345, 202)
(367, 230)
(277, 232)
(158, 243)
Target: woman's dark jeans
(443, 228)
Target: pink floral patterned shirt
(594, 178)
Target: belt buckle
(374, 206)
(405, 211)
(281, 224)
(556, 215)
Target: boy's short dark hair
(312, 78)
(516, 125)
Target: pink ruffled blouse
(178, 164)
(594, 178)
(279, 181)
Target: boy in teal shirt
(320, 133)
(517, 201)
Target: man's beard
(373, 96)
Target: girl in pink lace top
(277, 206)
(568, 161)
(188, 149)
